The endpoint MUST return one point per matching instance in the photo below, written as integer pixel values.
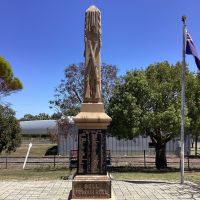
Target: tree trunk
(196, 140)
(161, 161)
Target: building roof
(37, 127)
(41, 127)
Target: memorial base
(91, 187)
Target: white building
(69, 141)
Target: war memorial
(91, 180)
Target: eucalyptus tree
(193, 104)
(10, 133)
(10, 136)
(148, 102)
(8, 83)
(69, 93)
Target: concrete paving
(123, 190)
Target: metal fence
(144, 161)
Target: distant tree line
(41, 116)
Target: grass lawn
(169, 176)
(192, 152)
(36, 150)
(50, 173)
(34, 174)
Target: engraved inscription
(92, 152)
(84, 156)
(95, 156)
(85, 189)
(91, 192)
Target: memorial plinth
(92, 116)
(91, 187)
(91, 180)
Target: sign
(29, 147)
(92, 152)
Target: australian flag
(191, 49)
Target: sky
(39, 38)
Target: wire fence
(145, 161)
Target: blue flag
(191, 49)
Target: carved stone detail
(92, 151)
(92, 85)
(91, 189)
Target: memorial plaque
(92, 151)
(84, 157)
(91, 189)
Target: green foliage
(8, 83)
(10, 137)
(28, 117)
(194, 104)
(56, 116)
(40, 116)
(148, 102)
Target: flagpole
(183, 101)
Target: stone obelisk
(92, 180)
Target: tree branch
(77, 95)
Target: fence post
(144, 159)
(188, 156)
(54, 160)
(6, 161)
